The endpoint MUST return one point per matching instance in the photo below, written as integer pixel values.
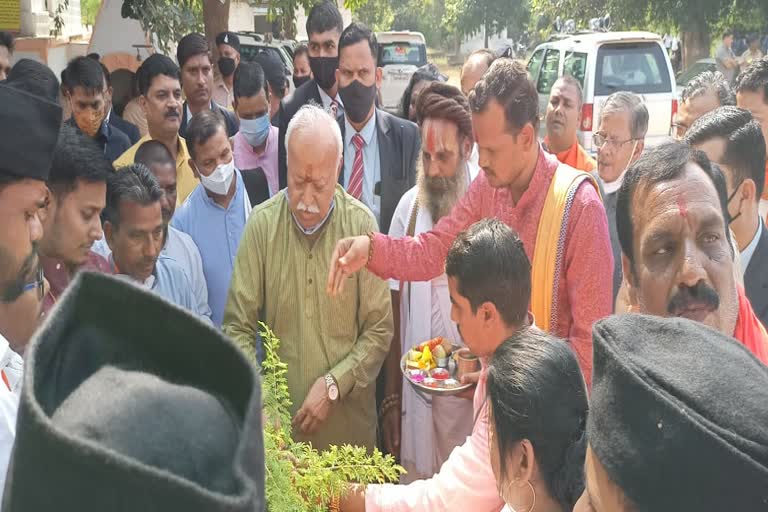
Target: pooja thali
(435, 367)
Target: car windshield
(249, 52)
(634, 67)
(694, 71)
(414, 54)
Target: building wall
(240, 17)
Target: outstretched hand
(350, 255)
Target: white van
(604, 63)
(400, 55)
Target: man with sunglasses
(30, 127)
(620, 139)
(731, 137)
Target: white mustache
(309, 209)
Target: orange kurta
(576, 157)
(749, 330)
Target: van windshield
(635, 67)
(414, 54)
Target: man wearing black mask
(228, 46)
(324, 26)
(380, 150)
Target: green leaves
(166, 20)
(298, 477)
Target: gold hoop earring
(533, 505)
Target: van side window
(534, 65)
(549, 72)
(575, 64)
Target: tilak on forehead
(436, 135)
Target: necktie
(334, 108)
(355, 187)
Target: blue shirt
(180, 247)
(217, 233)
(371, 164)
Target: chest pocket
(343, 313)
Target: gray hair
(311, 116)
(709, 81)
(134, 183)
(633, 105)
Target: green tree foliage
(468, 17)
(418, 15)
(89, 9)
(703, 17)
(298, 477)
(166, 20)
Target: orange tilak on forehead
(682, 206)
(435, 136)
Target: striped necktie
(355, 187)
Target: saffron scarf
(549, 251)
(749, 330)
(576, 157)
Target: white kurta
(431, 427)
(11, 367)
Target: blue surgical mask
(256, 130)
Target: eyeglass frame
(614, 143)
(39, 283)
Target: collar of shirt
(147, 283)
(189, 112)
(746, 255)
(11, 366)
(327, 100)
(367, 132)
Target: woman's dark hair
(427, 72)
(537, 393)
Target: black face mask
(358, 100)
(298, 81)
(735, 190)
(227, 66)
(324, 70)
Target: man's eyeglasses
(600, 140)
(38, 283)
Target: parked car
(692, 72)
(604, 63)
(400, 55)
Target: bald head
(474, 68)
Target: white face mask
(220, 179)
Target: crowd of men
(221, 202)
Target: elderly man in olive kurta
(333, 348)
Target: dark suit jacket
(256, 185)
(756, 278)
(229, 118)
(288, 108)
(399, 144)
(124, 126)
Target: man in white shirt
(430, 428)
(324, 26)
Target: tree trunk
(216, 20)
(695, 40)
(485, 29)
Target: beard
(440, 195)
(14, 288)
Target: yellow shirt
(279, 278)
(185, 178)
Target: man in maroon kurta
(513, 186)
(72, 223)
